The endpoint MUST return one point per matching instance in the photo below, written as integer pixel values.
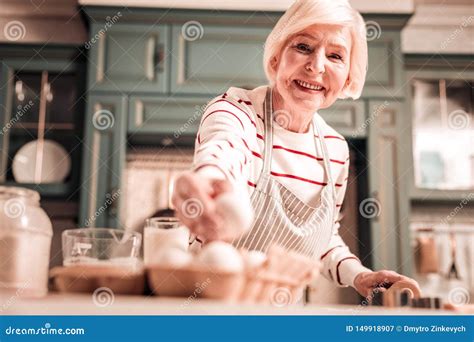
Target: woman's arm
(221, 163)
(343, 267)
(222, 141)
(338, 263)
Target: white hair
(305, 13)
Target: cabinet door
(387, 206)
(104, 160)
(385, 74)
(216, 58)
(346, 117)
(170, 116)
(129, 57)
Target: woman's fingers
(219, 186)
(367, 282)
(384, 278)
(195, 206)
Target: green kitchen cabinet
(103, 160)
(216, 57)
(165, 115)
(50, 80)
(387, 207)
(347, 117)
(129, 57)
(385, 75)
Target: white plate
(56, 163)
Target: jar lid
(16, 191)
(19, 211)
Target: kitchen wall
(41, 21)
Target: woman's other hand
(366, 282)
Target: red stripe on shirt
(243, 111)
(337, 268)
(256, 154)
(224, 111)
(298, 178)
(331, 137)
(251, 184)
(246, 102)
(329, 251)
(206, 165)
(278, 147)
(260, 136)
(337, 161)
(245, 143)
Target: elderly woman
(271, 144)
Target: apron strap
(324, 150)
(268, 140)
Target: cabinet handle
(153, 57)
(159, 58)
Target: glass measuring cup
(101, 246)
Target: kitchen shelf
(436, 196)
(48, 126)
(46, 189)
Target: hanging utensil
(426, 253)
(453, 270)
(41, 127)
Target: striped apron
(282, 218)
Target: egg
(221, 256)
(173, 257)
(253, 259)
(236, 212)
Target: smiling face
(313, 67)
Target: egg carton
(279, 280)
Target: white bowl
(56, 163)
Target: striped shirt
(230, 144)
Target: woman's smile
(309, 87)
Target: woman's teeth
(308, 85)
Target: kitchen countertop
(83, 304)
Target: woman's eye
(335, 55)
(303, 47)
